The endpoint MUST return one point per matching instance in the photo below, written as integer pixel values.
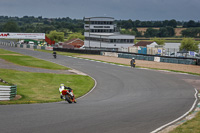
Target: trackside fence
(157, 58)
(7, 92)
(25, 46)
(153, 58)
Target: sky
(146, 10)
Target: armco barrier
(7, 92)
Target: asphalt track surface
(124, 100)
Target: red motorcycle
(68, 96)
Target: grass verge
(29, 61)
(191, 126)
(43, 87)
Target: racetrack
(124, 100)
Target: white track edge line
(193, 106)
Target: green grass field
(29, 61)
(43, 87)
(40, 87)
(191, 126)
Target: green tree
(159, 41)
(150, 32)
(172, 23)
(191, 32)
(76, 35)
(128, 32)
(11, 27)
(56, 36)
(189, 44)
(191, 23)
(166, 31)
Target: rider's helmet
(62, 85)
(133, 58)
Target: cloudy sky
(119, 9)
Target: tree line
(31, 24)
(128, 24)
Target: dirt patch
(17, 97)
(149, 64)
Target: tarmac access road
(124, 100)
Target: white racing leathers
(61, 89)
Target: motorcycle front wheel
(67, 99)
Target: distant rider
(63, 87)
(54, 54)
(132, 62)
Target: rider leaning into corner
(63, 87)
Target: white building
(102, 33)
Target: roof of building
(98, 18)
(143, 43)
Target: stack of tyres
(145, 57)
(175, 61)
(129, 56)
(188, 61)
(27, 46)
(137, 57)
(42, 47)
(162, 59)
(171, 60)
(151, 58)
(133, 56)
(181, 61)
(141, 57)
(166, 60)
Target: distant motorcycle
(68, 96)
(54, 54)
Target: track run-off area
(123, 100)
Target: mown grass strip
(29, 61)
(43, 87)
(191, 126)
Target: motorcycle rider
(132, 62)
(63, 87)
(54, 54)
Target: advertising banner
(22, 35)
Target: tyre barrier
(162, 59)
(25, 46)
(7, 92)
